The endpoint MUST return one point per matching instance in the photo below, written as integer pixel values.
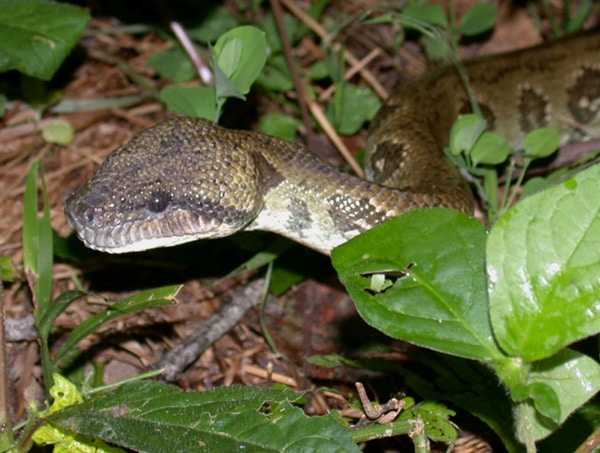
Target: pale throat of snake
(189, 179)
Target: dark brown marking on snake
(387, 159)
(584, 95)
(532, 108)
(269, 174)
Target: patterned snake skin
(187, 179)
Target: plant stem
(377, 431)
(523, 413)
(6, 437)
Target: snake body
(187, 179)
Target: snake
(187, 179)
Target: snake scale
(187, 179)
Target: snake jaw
(133, 235)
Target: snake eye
(159, 201)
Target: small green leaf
(437, 420)
(490, 149)
(465, 132)
(37, 35)
(433, 14)
(173, 64)
(8, 270)
(58, 131)
(572, 377)
(241, 54)
(276, 75)
(215, 22)
(478, 19)
(541, 143)
(434, 257)
(280, 125)
(198, 102)
(543, 262)
(545, 400)
(354, 106)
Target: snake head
(182, 180)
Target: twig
(303, 98)
(203, 70)
(179, 358)
(319, 115)
(350, 58)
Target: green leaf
(490, 149)
(541, 143)
(436, 418)
(545, 400)
(37, 35)
(478, 19)
(280, 125)
(197, 102)
(46, 315)
(173, 64)
(428, 13)
(465, 132)
(145, 299)
(226, 419)
(241, 54)
(558, 385)
(465, 384)
(543, 262)
(58, 131)
(435, 259)
(8, 269)
(276, 75)
(209, 26)
(354, 106)
(37, 237)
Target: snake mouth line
(176, 228)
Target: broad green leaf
(435, 259)
(572, 378)
(198, 102)
(241, 54)
(465, 132)
(145, 299)
(490, 149)
(543, 262)
(227, 419)
(37, 35)
(478, 19)
(541, 143)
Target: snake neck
(324, 207)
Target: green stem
(377, 431)
(6, 436)
(523, 413)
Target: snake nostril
(159, 201)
